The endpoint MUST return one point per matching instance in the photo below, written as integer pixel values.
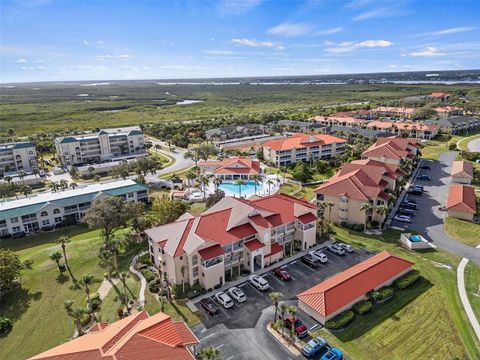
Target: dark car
(310, 261)
(424, 177)
(415, 192)
(408, 212)
(410, 200)
(409, 205)
(282, 274)
(209, 306)
(425, 167)
(300, 329)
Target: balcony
(212, 262)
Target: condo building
(106, 145)
(17, 157)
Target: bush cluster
(148, 275)
(354, 227)
(407, 279)
(340, 321)
(191, 291)
(145, 259)
(381, 294)
(5, 324)
(154, 286)
(363, 307)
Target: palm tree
(114, 245)
(8, 179)
(204, 182)
(63, 240)
(56, 256)
(367, 208)
(283, 311)
(278, 326)
(53, 186)
(275, 297)
(73, 185)
(21, 175)
(123, 276)
(257, 179)
(240, 183)
(329, 205)
(63, 184)
(86, 281)
(209, 353)
(76, 314)
(381, 210)
(217, 182)
(25, 189)
(292, 310)
(269, 183)
(157, 147)
(190, 176)
(35, 172)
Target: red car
(282, 274)
(300, 329)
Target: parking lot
(246, 314)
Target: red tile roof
(253, 245)
(462, 198)
(447, 109)
(138, 336)
(462, 168)
(211, 252)
(439, 95)
(307, 218)
(398, 110)
(298, 141)
(391, 148)
(275, 249)
(346, 287)
(236, 165)
(179, 251)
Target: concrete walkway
(463, 296)
(474, 145)
(106, 286)
(141, 295)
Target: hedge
(5, 324)
(381, 294)
(363, 307)
(148, 275)
(340, 321)
(407, 279)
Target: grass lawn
(197, 208)
(472, 284)
(305, 192)
(165, 160)
(463, 231)
(411, 324)
(463, 144)
(433, 148)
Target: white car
(346, 247)
(224, 299)
(336, 249)
(258, 282)
(402, 218)
(237, 294)
(320, 256)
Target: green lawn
(197, 208)
(306, 192)
(463, 144)
(463, 231)
(433, 148)
(412, 324)
(472, 285)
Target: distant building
(462, 172)
(357, 130)
(457, 124)
(16, 157)
(231, 168)
(303, 147)
(299, 126)
(138, 336)
(234, 132)
(393, 150)
(50, 209)
(389, 111)
(446, 111)
(106, 145)
(438, 96)
(461, 202)
(407, 129)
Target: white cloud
(257, 44)
(123, 57)
(21, 61)
(218, 52)
(392, 66)
(290, 30)
(427, 52)
(237, 7)
(34, 68)
(329, 31)
(349, 46)
(455, 30)
(180, 67)
(100, 42)
(85, 42)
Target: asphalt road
(180, 162)
(429, 219)
(474, 145)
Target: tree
(204, 182)
(275, 297)
(106, 261)
(63, 241)
(209, 353)
(76, 314)
(283, 311)
(63, 184)
(269, 183)
(257, 179)
(35, 172)
(109, 214)
(215, 197)
(53, 186)
(114, 245)
(165, 210)
(11, 267)
(217, 182)
(21, 175)
(123, 276)
(278, 326)
(367, 208)
(329, 205)
(73, 185)
(240, 183)
(301, 172)
(190, 176)
(381, 210)
(26, 190)
(88, 280)
(292, 310)
(56, 256)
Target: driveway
(474, 145)
(429, 219)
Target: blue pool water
(415, 238)
(231, 189)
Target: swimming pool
(415, 238)
(232, 189)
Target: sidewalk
(463, 296)
(265, 270)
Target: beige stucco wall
(460, 215)
(209, 277)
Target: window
(195, 272)
(344, 199)
(3, 223)
(44, 213)
(14, 220)
(56, 211)
(45, 222)
(58, 220)
(194, 260)
(16, 229)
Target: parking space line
(230, 358)
(206, 337)
(278, 280)
(219, 346)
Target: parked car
(418, 187)
(320, 256)
(407, 199)
(209, 306)
(224, 299)
(336, 249)
(333, 354)
(282, 274)
(402, 218)
(237, 294)
(409, 205)
(425, 167)
(314, 346)
(346, 247)
(424, 177)
(300, 329)
(310, 261)
(258, 282)
(405, 211)
(415, 192)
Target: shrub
(85, 319)
(5, 324)
(407, 279)
(363, 307)
(382, 294)
(154, 286)
(452, 146)
(148, 275)
(145, 259)
(93, 296)
(358, 227)
(340, 321)
(96, 303)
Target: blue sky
(47, 40)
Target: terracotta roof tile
(462, 198)
(462, 168)
(275, 248)
(211, 252)
(307, 218)
(253, 245)
(349, 285)
(302, 140)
